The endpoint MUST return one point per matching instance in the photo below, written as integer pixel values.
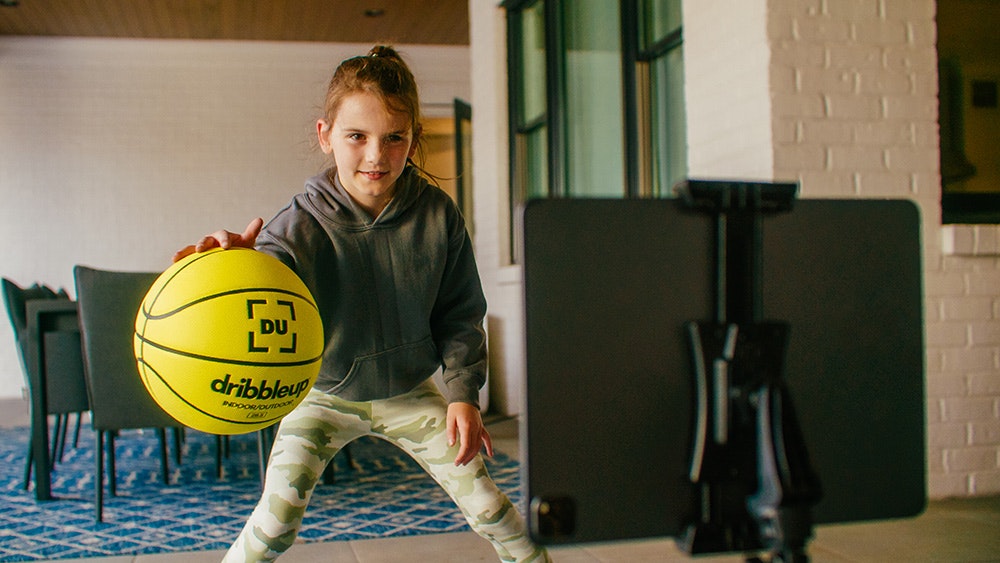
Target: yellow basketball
(228, 341)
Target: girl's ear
(416, 141)
(323, 130)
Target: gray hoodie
(399, 295)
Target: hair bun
(383, 51)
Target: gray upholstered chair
(108, 302)
(48, 343)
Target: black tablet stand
(755, 482)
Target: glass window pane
(659, 19)
(668, 125)
(465, 175)
(531, 179)
(537, 165)
(532, 67)
(593, 118)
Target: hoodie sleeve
(457, 318)
(273, 236)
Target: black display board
(609, 288)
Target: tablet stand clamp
(749, 462)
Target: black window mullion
(532, 126)
(630, 105)
(661, 47)
(555, 97)
(514, 86)
(516, 5)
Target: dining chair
(48, 343)
(108, 303)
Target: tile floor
(953, 530)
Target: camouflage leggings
(322, 424)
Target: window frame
(637, 145)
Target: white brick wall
(855, 110)
(963, 350)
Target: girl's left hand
(465, 424)
(224, 239)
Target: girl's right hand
(224, 239)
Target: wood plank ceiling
(432, 22)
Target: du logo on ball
(277, 327)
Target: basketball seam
(150, 316)
(166, 282)
(250, 363)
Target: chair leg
(99, 477)
(346, 450)
(180, 436)
(56, 431)
(329, 473)
(27, 466)
(76, 432)
(164, 461)
(219, 446)
(112, 472)
(61, 440)
(221, 452)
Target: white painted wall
(490, 177)
(114, 153)
(727, 89)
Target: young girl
(387, 257)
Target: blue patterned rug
(383, 494)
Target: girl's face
(370, 144)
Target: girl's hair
(381, 72)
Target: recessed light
(374, 12)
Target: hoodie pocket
(390, 372)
